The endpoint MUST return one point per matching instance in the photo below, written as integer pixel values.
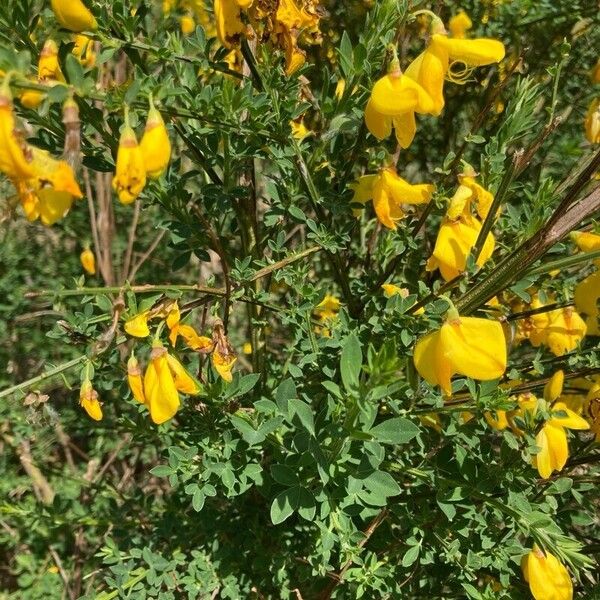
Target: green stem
(562, 263)
(39, 378)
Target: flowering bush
(299, 299)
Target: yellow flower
(88, 399)
(396, 94)
(585, 240)
(459, 24)
(552, 440)
(340, 88)
(468, 346)
(73, 15)
(48, 67)
(83, 50)
(229, 22)
(433, 66)
(389, 193)
(50, 192)
(88, 261)
(389, 290)
(299, 130)
(363, 191)
(162, 397)
(130, 176)
(393, 102)
(15, 154)
(328, 308)
(137, 326)
(290, 22)
(187, 24)
(469, 191)
(586, 297)
(592, 122)
(454, 243)
(223, 363)
(548, 578)
(134, 379)
(31, 98)
(497, 420)
(155, 146)
(564, 331)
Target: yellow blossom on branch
(88, 261)
(548, 578)
(468, 346)
(155, 146)
(88, 399)
(74, 15)
(130, 176)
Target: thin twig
(146, 255)
(131, 241)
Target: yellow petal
(387, 210)
(474, 347)
(586, 241)
(475, 52)
(389, 289)
(459, 24)
(223, 365)
(564, 331)
(130, 174)
(405, 128)
(137, 326)
(15, 155)
(392, 96)
(378, 124)
(454, 243)
(162, 397)
(229, 22)
(548, 578)
(554, 450)
(184, 382)
(571, 421)
(554, 386)
(88, 261)
(403, 192)
(425, 360)
(497, 420)
(586, 297)
(93, 408)
(155, 146)
(73, 15)
(363, 191)
(460, 202)
(134, 379)
(429, 71)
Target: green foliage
(326, 468)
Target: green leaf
(284, 475)
(198, 500)
(382, 483)
(304, 413)
(395, 431)
(351, 363)
(74, 71)
(410, 556)
(283, 394)
(161, 471)
(281, 508)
